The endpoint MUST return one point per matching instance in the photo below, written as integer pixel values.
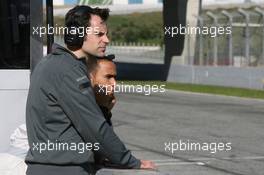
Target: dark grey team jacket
(61, 109)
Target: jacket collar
(58, 50)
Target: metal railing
(131, 52)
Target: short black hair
(80, 16)
(92, 61)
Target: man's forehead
(104, 62)
(96, 21)
(106, 65)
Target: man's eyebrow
(102, 33)
(112, 75)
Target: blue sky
(70, 1)
(67, 2)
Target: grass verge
(208, 89)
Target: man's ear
(92, 79)
(91, 76)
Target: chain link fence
(243, 47)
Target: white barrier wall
(244, 77)
(14, 86)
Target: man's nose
(106, 39)
(113, 82)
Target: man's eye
(100, 34)
(108, 76)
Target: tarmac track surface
(148, 124)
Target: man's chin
(102, 54)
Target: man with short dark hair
(65, 126)
(102, 74)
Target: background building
(58, 2)
(119, 2)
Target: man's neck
(79, 54)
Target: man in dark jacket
(65, 126)
(102, 74)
